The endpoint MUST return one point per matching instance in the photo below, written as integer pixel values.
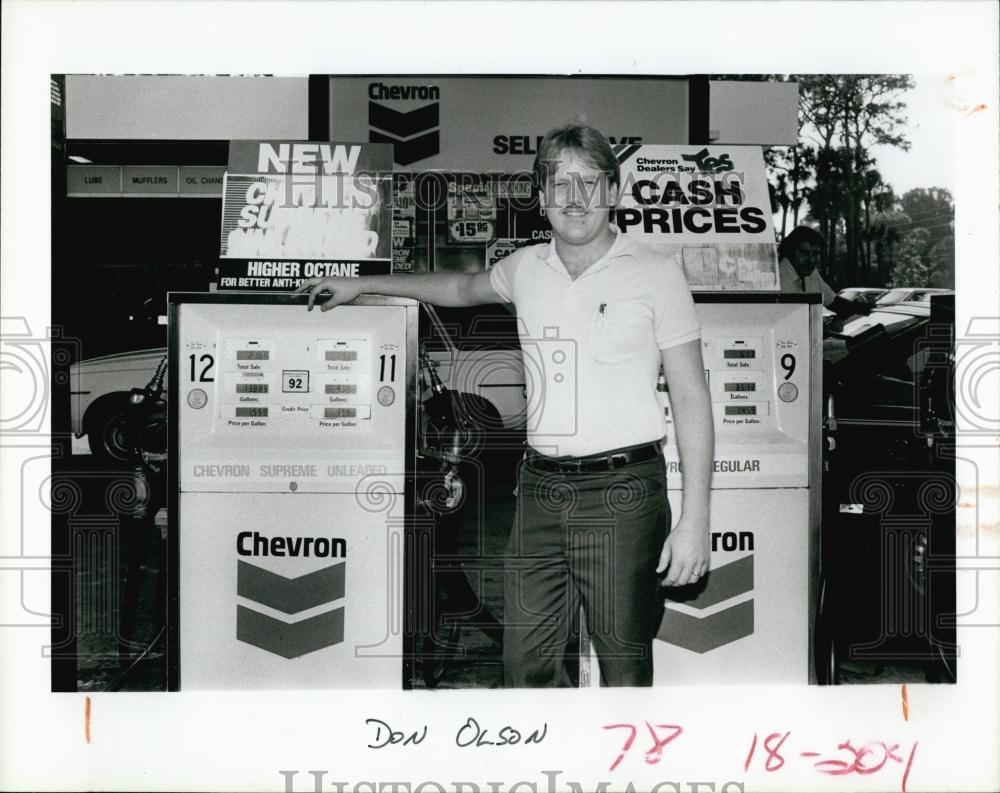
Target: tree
(941, 259)
(887, 232)
(911, 268)
(845, 115)
(932, 208)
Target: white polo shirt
(791, 282)
(591, 346)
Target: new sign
(292, 210)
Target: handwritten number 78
(655, 752)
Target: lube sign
(295, 209)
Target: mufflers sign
(292, 210)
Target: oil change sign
(706, 205)
(292, 210)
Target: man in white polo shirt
(592, 518)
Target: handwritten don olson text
(469, 734)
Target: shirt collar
(622, 246)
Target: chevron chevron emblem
(702, 634)
(413, 134)
(290, 596)
(289, 639)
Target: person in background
(592, 525)
(799, 256)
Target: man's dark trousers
(590, 539)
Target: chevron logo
(702, 634)
(290, 596)
(413, 134)
(624, 151)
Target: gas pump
(750, 620)
(291, 460)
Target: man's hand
(685, 554)
(342, 290)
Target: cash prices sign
(706, 205)
(292, 210)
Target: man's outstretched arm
(440, 289)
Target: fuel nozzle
(153, 389)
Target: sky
(934, 108)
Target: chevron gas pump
(291, 458)
(750, 619)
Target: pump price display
(251, 388)
(340, 388)
(341, 355)
(251, 413)
(253, 355)
(739, 354)
(741, 410)
(740, 386)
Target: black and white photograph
(367, 400)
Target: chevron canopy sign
(414, 134)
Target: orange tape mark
(86, 720)
(906, 704)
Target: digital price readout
(340, 413)
(340, 388)
(252, 388)
(739, 354)
(749, 386)
(341, 355)
(741, 410)
(251, 413)
(253, 355)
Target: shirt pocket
(619, 331)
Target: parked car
(101, 387)
(477, 354)
(865, 294)
(909, 294)
(889, 490)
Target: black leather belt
(608, 461)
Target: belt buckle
(574, 465)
